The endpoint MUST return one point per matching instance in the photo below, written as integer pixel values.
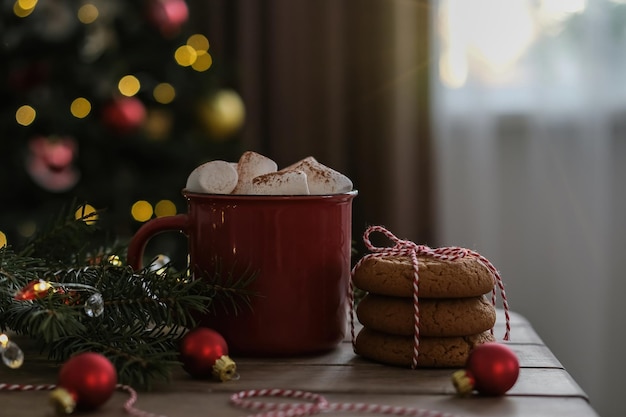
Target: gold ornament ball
(223, 114)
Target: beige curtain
(531, 157)
(344, 81)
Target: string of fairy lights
(10, 353)
(194, 54)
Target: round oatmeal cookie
(393, 275)
(434, 352)
(439, 317)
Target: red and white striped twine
(317, 404)
(26, 387)
(128, 405)
(412, 250)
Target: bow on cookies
(428, 304)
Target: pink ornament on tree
(168, 15)
(50, 162)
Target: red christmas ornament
(204, 352)
(491, 369)
(86, 381)
(124, 114)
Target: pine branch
(15, 272)
(66, 239)
(140, 355)
(45, 325)
(145, 312)
(229, 290)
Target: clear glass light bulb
(12, 355)
(94, 306)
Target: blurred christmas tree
(108, 102)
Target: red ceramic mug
(298, 246)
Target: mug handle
(134, 257)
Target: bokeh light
(88, 13)
(27, 229)
(129, 85)
(164, 93)
(87, 213)
(23, 8)
(141, 211)
(27, 4)
(185, 55)
(158, 124)
(165, 208)
(80, 108)
(198, 42)
(114, 260)
(203, 62)
(25, 115)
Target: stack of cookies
(454, 313)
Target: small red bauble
(124, 114)
(204, 352)
(86, 381)
(491, 369)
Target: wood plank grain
(208, 403)
(387, 380)
(538, 376)
(544, 388)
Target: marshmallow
(250, 165)
(214, 177)
(322, 179)
(284, 182)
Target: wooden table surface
(544, 387)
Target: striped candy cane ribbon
(316, 404)
(129, 405)
(26, 387)
(412, 250)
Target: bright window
(516, 51)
